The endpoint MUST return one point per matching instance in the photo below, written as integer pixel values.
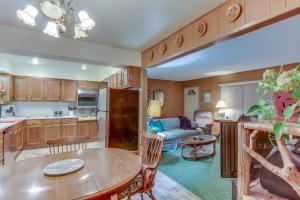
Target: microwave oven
(87, 98)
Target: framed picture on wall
(160, 96)
(207, 96)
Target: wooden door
(83, 129)
(36, 89)
(52, 132)
(69, 130)
(69, 90)
(125, 78)
(20, 88)
(93, 85)
(52, 87)
(93, 130)
(13, 142)
(34, 135)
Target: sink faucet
(11, 111)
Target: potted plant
(284, 86)
(2, 94)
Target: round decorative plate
(233, 12)
(63, 167)
(201, 29)
(162, 48)
(179, 40)
(150, 55)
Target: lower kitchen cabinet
(34, 136)
(88, 128)
(52, 132)
(69, 130)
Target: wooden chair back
(151, 149)
(67, 144)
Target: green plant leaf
(262, 102)
(296, 93)
(253, 110)
(285, 136)
(289, 111)
(278, 129)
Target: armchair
(204, 120)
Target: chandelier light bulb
(79, 33)
(52, 29)
(86, 22)
(28, 15)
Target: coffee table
(193, 147)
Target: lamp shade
(28, 15)
(154, 109)
(221, 104)
(51, 29)
(86, 22)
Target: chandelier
(60, 14)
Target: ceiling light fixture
(35, 61)
(61, 13)
(84, 67)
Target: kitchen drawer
(34, 122)
(52, 121)
(69, 120)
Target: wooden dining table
(106, 172)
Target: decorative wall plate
(201, 29)
(150, 55)
(162, 48)
(63, 167)
(233, 12)
(178, 40)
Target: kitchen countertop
(4, 125)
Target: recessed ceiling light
(35, 61)
(83, 67)
(218, 73)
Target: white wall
(25, 109)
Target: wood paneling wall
(212, 84)
(173, 96)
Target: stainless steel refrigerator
(118, 118)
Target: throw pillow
(156, 126)
(185, 123)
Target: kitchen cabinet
(35, 136)
(69, 90)
(1, 149)
(20, 88)
(128, 77)
(69, 130)
(88, 84)
(36, 89)
(52, 132)
(52, 87)
(88, 128)
(256, 9)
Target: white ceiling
(131, 24)
(273, 45)
(22, 65)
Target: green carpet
(201, 177)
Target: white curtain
(239, 98)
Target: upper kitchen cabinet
(88, 84)
(36, 89)
(129, 77)
(20, 88)
(68, 90)
(256, 10)
(52, 88)
(231, 17)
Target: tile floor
(165, 188)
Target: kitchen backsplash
(24, 109)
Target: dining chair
(150, 152)
(67, 144)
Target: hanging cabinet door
(52, 87)
(20, 88)
(69, 90)
(36, 89)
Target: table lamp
(154, 109)
(221, 105)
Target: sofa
(173, 133)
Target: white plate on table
(63, 167)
